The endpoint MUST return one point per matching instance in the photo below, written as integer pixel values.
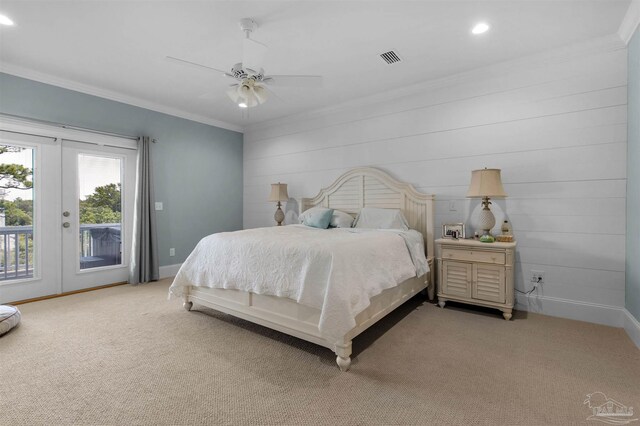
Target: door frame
(60, 133)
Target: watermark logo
(608, 410)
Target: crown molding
(630, 22)
(563, 54)
(112, 95)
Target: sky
(93, 171)
(24, 158)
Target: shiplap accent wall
(556, 128)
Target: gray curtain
(144, 254)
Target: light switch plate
(172, 252)
(158, 205)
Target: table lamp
(486, 184)
(278, 194)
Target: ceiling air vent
(390, 57)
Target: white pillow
(377, 218)
(341, 219)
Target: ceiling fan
(251, 88)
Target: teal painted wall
(198, 168)
(632, 269)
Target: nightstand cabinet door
(456, 278)
(476, 273)
(489, 283)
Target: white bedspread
(336, 270)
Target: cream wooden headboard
(369, 187)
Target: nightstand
(476, 273)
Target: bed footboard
(289, 317)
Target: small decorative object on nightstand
(486, 184)
(453, 230)
(473, 272)
(278, 194)
(507, 233)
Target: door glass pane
(16, 212)
(99, 184)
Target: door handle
(66, 224)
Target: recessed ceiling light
(5, 20)
(242, 105)
(481, 27)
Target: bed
(354, 190)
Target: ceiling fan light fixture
(252, 100)
(247, 94)
(260, 94)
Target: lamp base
(279, 216)
(487, 237)
(487, 222)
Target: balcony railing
(100, 245)
(17, 249)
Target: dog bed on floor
(9, 318)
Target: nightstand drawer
(474, 256)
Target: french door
(66, 213)
(98, 184)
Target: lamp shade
(278, 192)
(486, 183)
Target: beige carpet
(126, 355)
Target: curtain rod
(67, 126)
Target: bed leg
(431, 290)
(186, 303)
(343, 363)
(344, 356)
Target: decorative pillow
(317, 217)
(377, 218)
(340, 219)
(9, 318)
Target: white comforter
(336, 271)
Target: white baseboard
(632, 327)
(571, 309)
(169, 270)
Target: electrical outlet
(537, 277)
(159, 206)
(172, 252)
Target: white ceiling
(119, 47)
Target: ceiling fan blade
(253, 54)
(293, 80)
(194, 64)
(211, 94)
(271, 92)
(232, 93)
